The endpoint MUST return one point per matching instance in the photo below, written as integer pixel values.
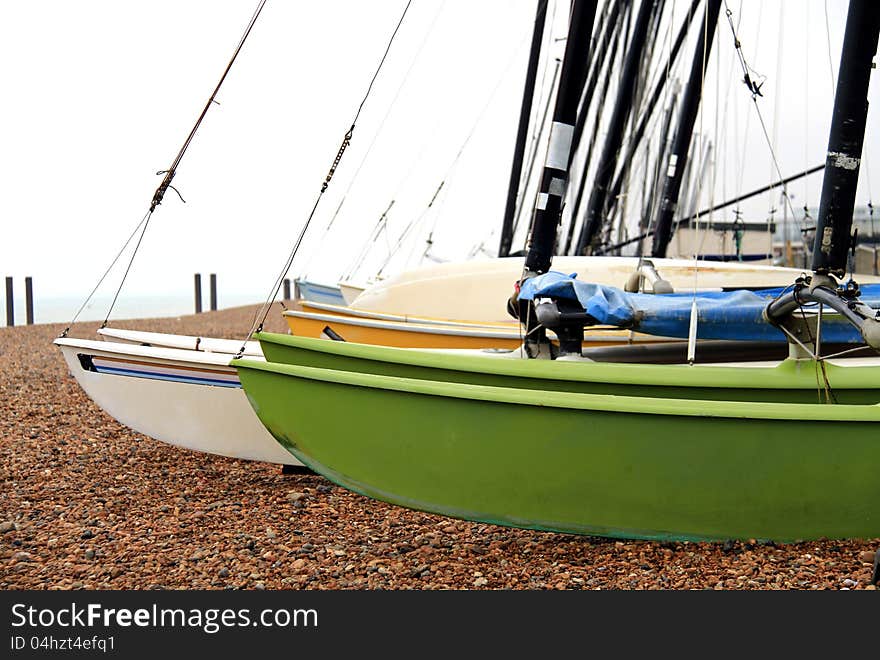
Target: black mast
(636, 138)
(608, 56)
(845, 141)
(600, 54)
(688, 116)
(620, 114)
(555, 176)
(522, 132)
(839, 185)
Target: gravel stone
(156, 508)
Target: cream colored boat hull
(478, 290)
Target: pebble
(179, 519)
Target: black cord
(264, 309)
(159, 194)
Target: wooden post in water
(213, 292)
(287, 288)
(10, 308)
(29, 299)
(198, 291)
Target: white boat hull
(188, 399)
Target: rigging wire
(346, 140)
(753, 81)
(445, 179)
(171, 171)
(806, 209)
(104, 276)
(777, 98)
(828, 42)
(127, 268)
(159, 194)
(694, 316)
(643, 227)
(755, 91)
(537, 126)
(713, 183)
(354, 177)
(725, 137)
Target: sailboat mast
(606, 55)
(845, 141)
(522, 132)
(839, 186)
(614, 139)
(555, 176)
(687, 117)
(600, 53)
(647, 112)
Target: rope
(444, 181)
(755, 90)
(104, 276)
(654, 191)
(171, 171)
(159, 194)
(346, 140)
(823, 386)
(694, 315)
(828, 43)
(376, 135)
(127, 268)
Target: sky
(100, 95)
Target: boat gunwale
(781, 376)
(346, 311)
(487, 332)
(608, 403)
(154, 353)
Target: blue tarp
(720, 314)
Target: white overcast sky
(98, 95)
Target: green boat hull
(789, 382)
(631, 467)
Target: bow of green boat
(791, 381)
(636, 467)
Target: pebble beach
(87, 503)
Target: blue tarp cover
(721, 314)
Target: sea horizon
(61, 309)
